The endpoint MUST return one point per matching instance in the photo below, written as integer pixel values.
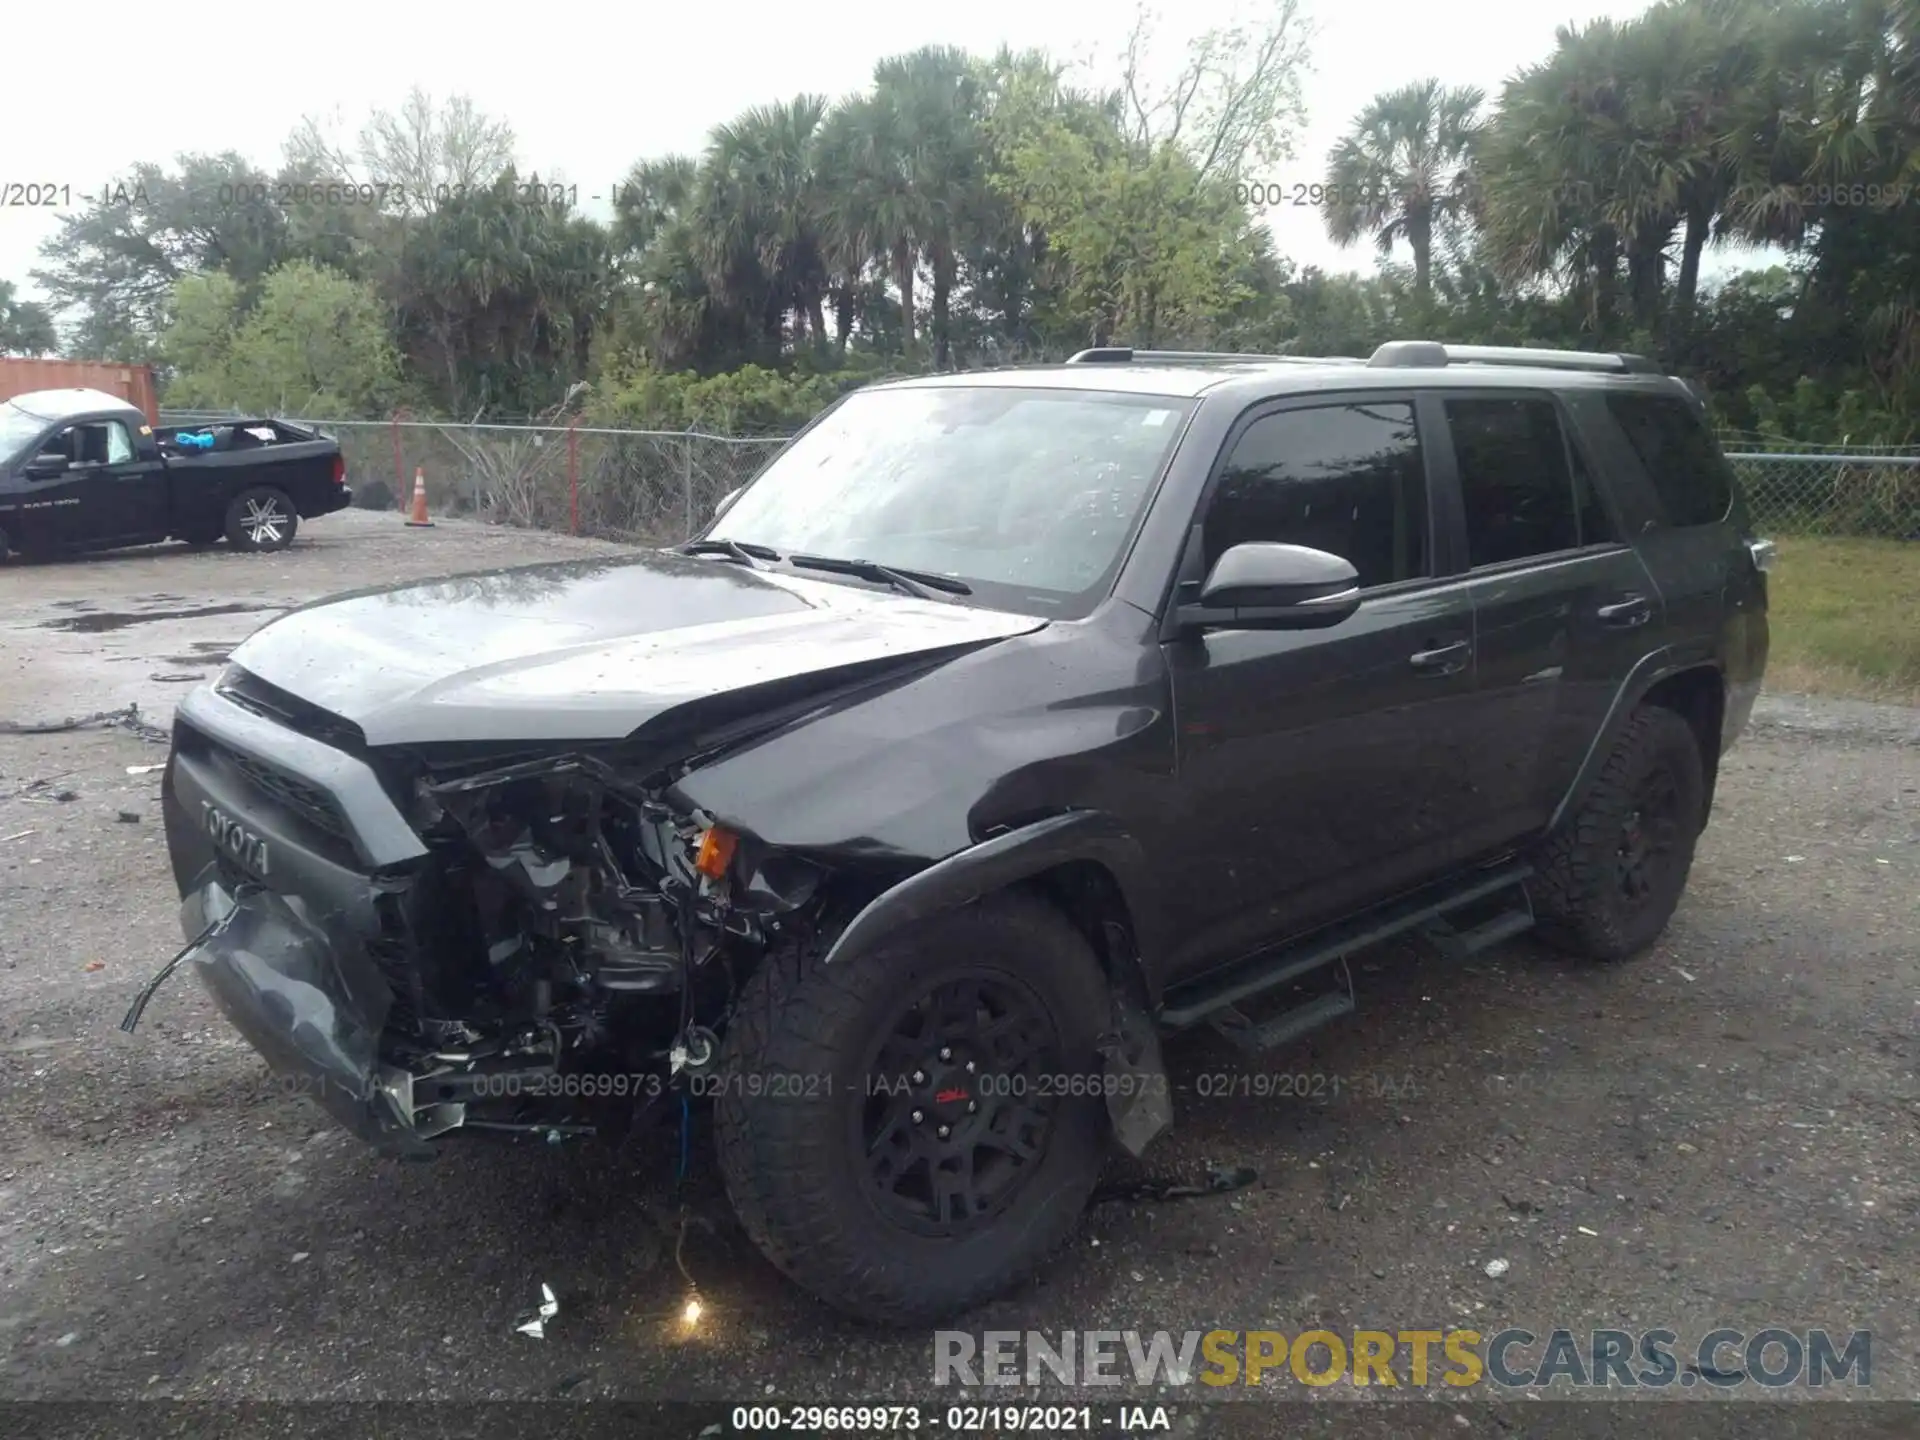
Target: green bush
(752, 400)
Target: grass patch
(1845, 618)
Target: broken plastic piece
(1138, 1106)
(1496, 1268)
(694, 1049)
(534, 1322)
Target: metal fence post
(573, 476)
(400, 490)
(686, 481)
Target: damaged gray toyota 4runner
(1003, 724)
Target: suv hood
(592, 650)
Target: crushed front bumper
(314, 1008)
(283, 850)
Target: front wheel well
(1084, 891)
(1089, 895)
(1698, 696)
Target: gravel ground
(1722, 1132)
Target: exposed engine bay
(572, 949)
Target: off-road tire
(245, 527)
(1576, 888)
(794, 1163)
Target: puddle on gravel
(107, 620)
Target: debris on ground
(534, 1322)
(126, 718)
(1496, 1268)
(17, 835)
(1221, 1180)
(144, 769)
(176, 678)
(128, 817)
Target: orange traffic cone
(419, 515)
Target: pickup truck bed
(82, 470)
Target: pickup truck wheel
(1606, 886)
(899, 1133)
(261, 518)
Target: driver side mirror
(1264, 585)
(46, 467)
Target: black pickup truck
(82, 470)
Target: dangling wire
(686, 1140)
(214, 927)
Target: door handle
(1627, 613)
(1444, 661)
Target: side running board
(1216, 998)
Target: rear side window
(1347, 479)
(1691, 477)
(1523, 488)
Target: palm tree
(1548, 171)
(1401, 172)
(878, 201)
(669, 309)
(1705, 64)
(762, 199)
(938, 100)
(848, 239)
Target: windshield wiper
(921, 584)
(746, 553)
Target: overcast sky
(590, 89)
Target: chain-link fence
(650, 486)
(1835, 493)
(659, 486)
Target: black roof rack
(1394, 355)
(1431, 354)
(1121, 355)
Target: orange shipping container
(132, 383)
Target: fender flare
(1002, 860)
(1647, 672)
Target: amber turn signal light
(716, 852)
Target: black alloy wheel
(959, 1104)
(1649, 834)
(915, 1127)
